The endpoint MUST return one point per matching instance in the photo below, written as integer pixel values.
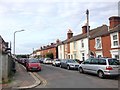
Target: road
(56, 77)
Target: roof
(97, 32)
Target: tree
(50, 55)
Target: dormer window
(98, 44)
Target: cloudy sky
(48, 20)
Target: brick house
(106, 43)
(44, 50)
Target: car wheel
(80, 70)
(68, 67)
(100, 74)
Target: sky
(45, 21)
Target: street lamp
(14, 40)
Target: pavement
(22, 79)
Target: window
(60, 47)
(99, 56)
(98, 43)
(71, 56)
(94, 61)
(83, 56)
(102, 62)
(117, 56)
(74, 44)
(114, 40)
(82, 44)
(113, 62)
(74, 55)
(87, 61)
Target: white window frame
(75, 55)
(82, 43)
(96, 44)
(99, 53)
(115, 52)
(74, 45)
(112, 41)
(83, 56)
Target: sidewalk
(22, 79)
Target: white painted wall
(85, 49)
(61, 52)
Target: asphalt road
(56, 77)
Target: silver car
(69, 64)
(47, 61)
(56, 62)
(100, 66)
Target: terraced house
(104, 42)
(48, 49)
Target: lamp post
(14, 40)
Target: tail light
(109, 68)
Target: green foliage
(22, 56)
(50, 55)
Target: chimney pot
(84, 29)
(69, 34)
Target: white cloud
(45, 22)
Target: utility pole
(88, 36)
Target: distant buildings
(104, 42)
(48, 49)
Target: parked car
(23, 61)
(69, 64)
(100, 66)
(47, 61)
(56, 62)
(41, 60)
(77, 60)
(33, 65)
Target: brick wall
(106, 46)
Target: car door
(86, 65)
(93, 65)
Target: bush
(50, 55)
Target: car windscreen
(113, 62)
(57, 60)
(33, 61)
(49, 59)
(72, 61)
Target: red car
(33, 65)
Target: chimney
(69, 34)
(57, 41)
(52, 43)
(44, 46)
(41, 48)
(84, 28)
(114, 21)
